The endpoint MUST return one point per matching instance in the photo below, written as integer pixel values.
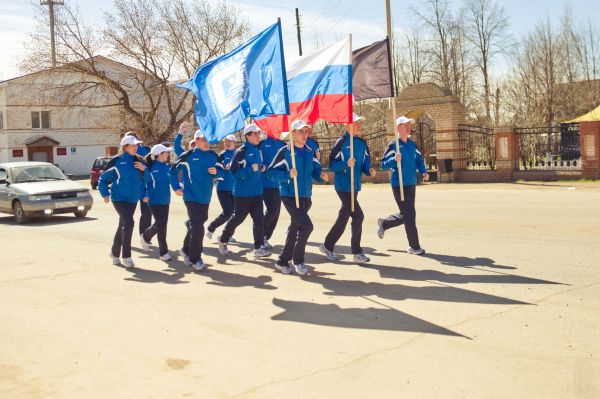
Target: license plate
(67, 204)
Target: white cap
(129, 140)
(251, 128)
(404, 119)
(230, 137)
(159, 149)
(356, 117)
(298, 124)
(198, 134)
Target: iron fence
(549, 148)
(478, 147)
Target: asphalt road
(506, 304)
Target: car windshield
(100, 163)
(24, 174)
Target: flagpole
(351, 142)
(293, 151)
(392, 102)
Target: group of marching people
(255, 173)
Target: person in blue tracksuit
(158, 196)
(145, 212)
(246, 168)
(269, 148)
(341, 163)
(308, 168)
(177, 143)
(312, 143)
(127, 174)
(198, 168)
(411, 162)
(224, 185)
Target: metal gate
(424, 137)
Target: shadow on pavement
(46, 221)
(369, 319)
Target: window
(40, 120)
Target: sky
(323, 21)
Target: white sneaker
(209, 234)
(361, 258)
(300, 268)
(187, 261)
(128, 263)
(329, 254)
(223, 248)
(261, 253)
(232, 239)
(380, 230)
(412, 251)
(115, 259)
(145, 244)
(199, 266)
(166, 257)
(266, 245)
(182, 252)
(283, 267)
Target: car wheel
(19, 213)
(80, 214)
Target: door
(40, 153)
(40, 156)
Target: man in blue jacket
(146, 213)
(198, 168)
(246, 168)
(224, 184)
(269, 148)
(341, 163)
(411, 161)
(307, 168)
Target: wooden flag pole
(293, 153)
(352, 168)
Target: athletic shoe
(128, 263)
(187, 261)
(115, 259)
(182, 252)
(261, 253)
(199, 266)
(232, 239)
(412, 251)
(380, 230)
(223, 248)
(361, 258)
(300, 268)
(329, 254)
(266, 245)
(209, 234)
(283, 267)
(166, 257)
(145, 244)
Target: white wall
(80, 162)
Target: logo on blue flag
(250, 81)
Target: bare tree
(154, 43)
(487, 26)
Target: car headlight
(83, 194)
(46, 197)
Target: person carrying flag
(411, 162)
(198, 168)
(246, 168)
(307, 168)
(269, 148)
(224, 185)
(341, 163)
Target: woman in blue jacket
(224, 185)
(308, 168)
(198, 168)
(127, 175)
(411, 162)
(158, 196)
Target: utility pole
(51, 4)
(298, 30)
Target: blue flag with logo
(249, 81)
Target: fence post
(506, 153)
(590, 149)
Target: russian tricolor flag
(319, 87)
